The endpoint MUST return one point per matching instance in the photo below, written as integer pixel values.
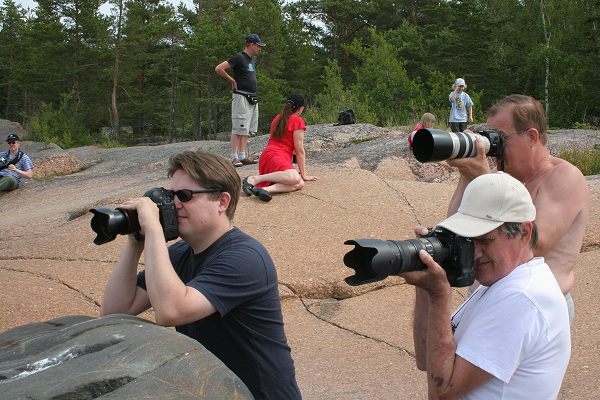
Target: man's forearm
(121, 288)
(441, 348)
(420, 320)
(457, 195)
(165, 289)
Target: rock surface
(347, 342)
(114, 357)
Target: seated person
(276, 171)
(427, 121)
(14, 165)
(511, 338)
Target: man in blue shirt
(14, 165)
(217, 285)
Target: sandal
(247, 187)
(262, 194)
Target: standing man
(461, 106)
(558, 189)
(14, 165)
(510, 339)
(217, 285)
(244, 103)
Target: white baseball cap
(489, 201)
(460, 82)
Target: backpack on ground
(346, 117)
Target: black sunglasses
(11, 142)
(185, 195)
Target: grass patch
(362, 140)
(587, 160)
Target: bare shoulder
(566, 178)
(562, 169)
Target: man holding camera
(14, 165)
(511, 337)
(558, 189)
(217, 285)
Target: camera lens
(439, 145)
(373, 259)
(108, 223)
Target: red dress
(277, 156)
(412, 134)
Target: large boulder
(7, 127)
(114, 357)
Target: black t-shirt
(244, 71)
(238, 277)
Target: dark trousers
(8, 183)
(458, 126)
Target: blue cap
(253, 38)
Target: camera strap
(13, 161)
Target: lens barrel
(373, 260)
(108, 223)
(438, 145)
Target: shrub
(587, 160)
(64, 127)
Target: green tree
(382, 83)
(63, 126)
(12, 23)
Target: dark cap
(13, 137)
(296, 101)
(253, 38)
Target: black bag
(346, 117)
(14, 161)
(251, 97)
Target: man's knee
(8, 183)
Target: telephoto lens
(373, 260)
(438, 145)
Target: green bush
(584, 125)
(64, 127)
(587, 160)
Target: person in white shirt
(511, 338)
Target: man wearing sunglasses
(217, 285)
(14, 165)
(559, 190)
(511, 338)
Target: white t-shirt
(518, 331)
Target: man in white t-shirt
(511, 338)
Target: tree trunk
(113, 103)
(172, 101)
(547, 57)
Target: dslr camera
(438, 145)
(108, 223)
(373, 260)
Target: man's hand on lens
(431, 279)
(472, 167)
(148, 215)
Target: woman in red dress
(276, 171)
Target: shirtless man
(558, 189)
